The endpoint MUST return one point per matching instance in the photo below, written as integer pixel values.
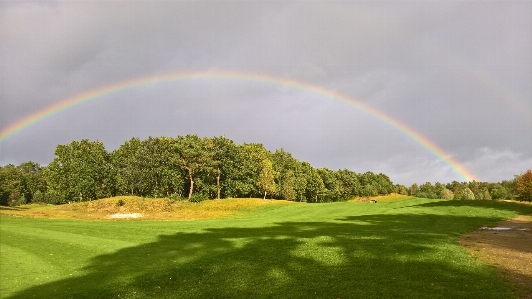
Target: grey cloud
(458, 72)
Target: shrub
(177, 197)
(38, 196)
(120, 203)
(198, 198)
(465, 194)
(447, 194)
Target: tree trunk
(218, 182)
(191, 186)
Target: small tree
(523, 186)
(465, 194)
(447, 194)
(288, 186)
(267, 178)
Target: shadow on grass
(372, 256)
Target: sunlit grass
(150, 208)
(383, 198)
(401, 249)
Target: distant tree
(465, 194)
(225, 159)
(402, 190)
(315, 187)
(474, 186)
(447, 194)
(523, 186)
(509, 185)
(267, 178)
(11, 185)
(289, 193)
(300, 183)
(486, 194)
(33, 180)
(80, 171)
(250, 157)
(192, 154)
(498, 191)
(412, 191)
(427, 191)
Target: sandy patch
(125, 216)
(508, 246)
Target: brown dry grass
(383, 198)
(150, 208)
(509, 250)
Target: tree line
(520, 188)
(184, 167)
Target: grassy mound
(148, 208)
(383, 198)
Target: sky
(340, 84)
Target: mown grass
(400, 249)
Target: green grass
(400, 249)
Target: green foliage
(288, 191)
(447, 194)
(498, 192)
(523, 186)
(80, 171)
(213, 167)
(465, 194)
(267, 175)
(198, 198)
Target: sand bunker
(123, 216)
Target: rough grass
(381, 199)
(150, 208)
(401, 249)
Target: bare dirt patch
(508, 246)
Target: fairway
(400, 249)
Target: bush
(198, 198)
(38, 197)
(55, 198)
(447, 194)
(465, 194)
(177, 197)
(120, 203)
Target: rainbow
(246, 76)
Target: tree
(194, 155)
(224, 158)
(11, 185)
(523, 186)
(315, 186)
(80, 171)
(412, 191)
(447, 194)
(266, 178)
(498, 191)
(127, 165)
(249, 162)
(427, 191)
(465, 194)
(289, 193)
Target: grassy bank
(149, 208)
(400, 249)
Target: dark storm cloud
(458, 72)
